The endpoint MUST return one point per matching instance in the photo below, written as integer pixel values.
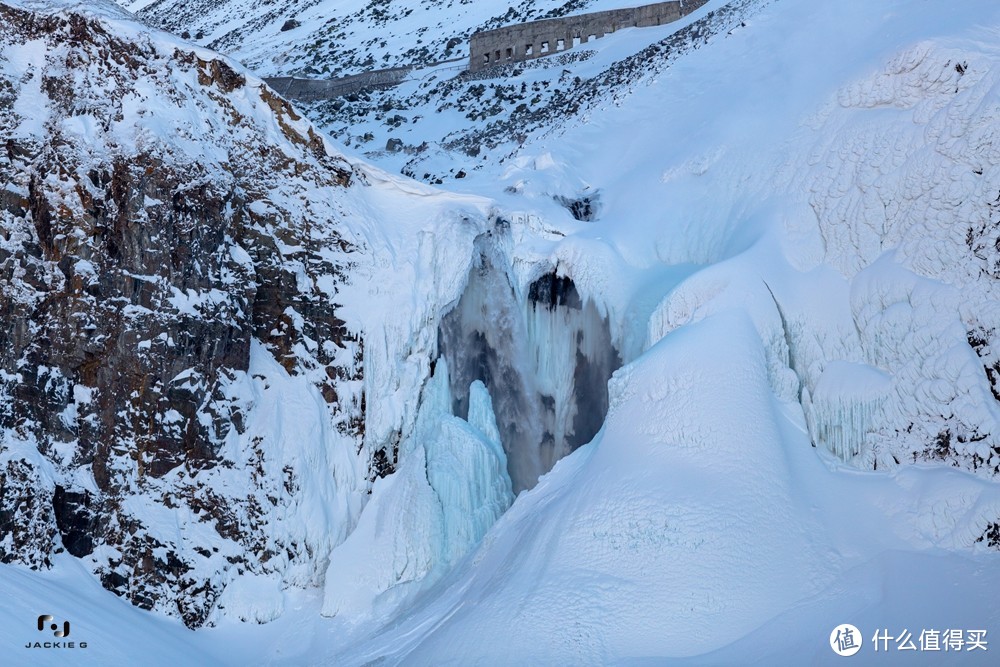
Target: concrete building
(536, 39)
(513, 43)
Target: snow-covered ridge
(97, 8)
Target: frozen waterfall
(450, 488)
(545, 360)
(846, 402)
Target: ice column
(451, 485)
(571, 360)
(467, 468)
(483, 338)
(845, 406)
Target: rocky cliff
(171, 253)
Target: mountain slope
(773, 226)
(188, 283)
(321, 39)
(832, 220)
(150, 257)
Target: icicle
(552, 337)
(481, 414)
(469, 476)
(436, 399)
(546, 363)
(572, 360)
(847, 401)
(484, 339)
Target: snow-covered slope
(781, 219)
(836, 214)
(198, 388)
(324, 38)
(832, 171)
(697, 515)
(442, 122)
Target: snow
(781, 259)
(728, 519)
(31, 107)
(345, 36)
(847, 401)
(666, 535)
(99, 8)
(801, 310)
(253, 598)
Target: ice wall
(571, 358)
(545, 359)
(450, 488)
(484, 338)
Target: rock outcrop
(161, 217)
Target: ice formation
(546, 359)
(846, 403)
(843, 293)
(450, 487)
(572, 358)
(483, 339)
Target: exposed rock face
(27, 525)
(158, 215)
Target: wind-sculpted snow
(925, 195)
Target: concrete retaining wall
(526, 41)
(323, 89)
(514, 43)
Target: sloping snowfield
(788, 252)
